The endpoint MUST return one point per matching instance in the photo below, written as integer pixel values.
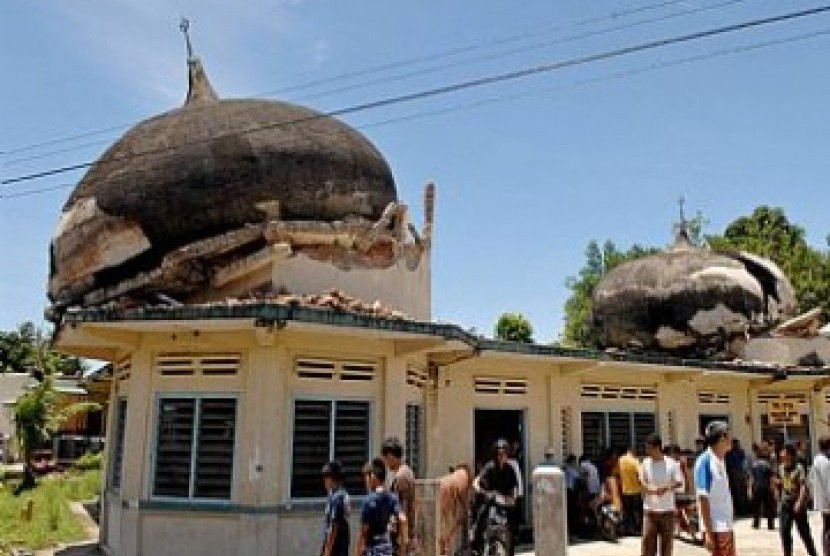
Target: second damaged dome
(690, 300)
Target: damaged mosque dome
(691, 300)
(219, 199)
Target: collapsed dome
(690, 299)
(207, 168)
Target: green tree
(514, 327)
(769, 233)
(26, 349)
(38, 415)
(579, 330)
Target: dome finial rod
(682, 238)
(184, 26)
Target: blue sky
(599, 151)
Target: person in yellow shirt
(632, 494)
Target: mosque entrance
(490, 425)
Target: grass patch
(52, 521)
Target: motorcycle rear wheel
(497, 543)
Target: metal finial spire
(184, 25)
(682, 240)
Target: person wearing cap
(400, 480)
(336, 521)
(381, 513)
(714, 498)
(496, 476)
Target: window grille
(414, 438)
(195, 447)
(118, 443)
(325, 430)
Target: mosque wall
(403, 286)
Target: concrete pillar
(550, 518)
(426, 526)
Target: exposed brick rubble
(334, 300)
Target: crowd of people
(671, 489)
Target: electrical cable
(459, 86)
(373, 69)
(535, 92)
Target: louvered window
(414, 438)
(195, 448)
(118, 443)
(616, 430)
(594, 437)
(325, 430)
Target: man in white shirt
(714, 498)
(660, 477)
(821, 489)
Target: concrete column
(138, 438)
(426, 522)
(550, 518)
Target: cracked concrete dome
(209, 167)
(690, 299)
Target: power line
(422, 71)
(535, 92)
(522, 49)
(380, 68)
(599, 79)
(463, 85)
(29, 192)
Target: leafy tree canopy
(26, 349)
(766, 232)
(514, 327)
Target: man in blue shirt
(336, 522)
(380, 510)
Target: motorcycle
(492, 525)
(606, 519)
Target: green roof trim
(281, 314)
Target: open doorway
(492, 424)
(489, 426)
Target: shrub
(90, 460)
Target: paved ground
(750, 542)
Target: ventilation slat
(210, 364)
(618, 392)
(500, 386)
(416, 377)
(346, 371)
